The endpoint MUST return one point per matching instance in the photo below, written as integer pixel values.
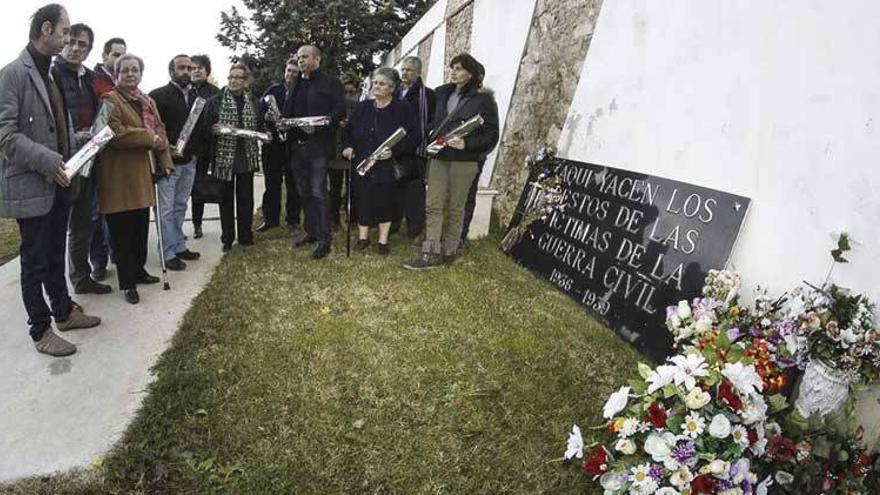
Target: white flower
(687, 367)
(697, 398)
(703, 324)
(745, 379)
(784, 478)
(661, 376)
(760, 444)
(740, 436)
(717, 468)
(575, 444)
(682, 478)
(616, 403)
(659, 446)
(667, 491)
(684, 309)
(754, 410)
(625, 446)
(642, 480)
(611, 481)
(720, 426)
(629, 427)
(693, 425)
(773, 429)
(764, 486)
(740, 470)
(731, 491)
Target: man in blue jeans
(174, 101)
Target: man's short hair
(314, 49)
(108, 45)
(123, 58)
(202, 60)
(414, 61)
(79, 28)
(291, 61)
(171, 62)
(51, 13)
(242, 67)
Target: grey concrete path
(61, 413)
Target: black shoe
(384, 249)
(321, 251)
(246, 243)
(428, 261)
(226, 247)
(132, 296)
(89, 286)
(146, 279)
(175, 264)
(362, 244)
(305, 241)
(265, 226)
(99, 274)
(188, 255)
(197, 232)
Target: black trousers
(276, 172)
(128, 238)
(43, 246)
(413, 198)
(198, 212)
(309, 168)
(237, 208)
(336, 177)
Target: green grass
(9, 239)
(356, 376)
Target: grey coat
(28, 141)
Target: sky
(155, 30)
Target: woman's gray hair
(390, 73)
(128, 56)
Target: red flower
(656, 415)
(703, 485)
(727, 397)
(597, 462)
(753, 436)
(781, 449)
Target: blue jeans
(99, 252)
(174, 192)
(309, 168)
(43, 241)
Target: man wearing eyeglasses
(77, 84)
(174, 101)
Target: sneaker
(384, 249)
(53, 345)
(99, 274)
(89, 286)
(321, 251)
(175, 264)
(361, 244)
(428, 261)
(188, 255)
(197, 232)
(76, 320)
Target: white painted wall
(434, 17)
(498, 38)
(778, 101)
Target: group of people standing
(51, 108)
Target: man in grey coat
(36, 136)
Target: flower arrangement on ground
(545, 196)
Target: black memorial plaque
(627, 245)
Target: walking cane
(348, 210)
(165, 285)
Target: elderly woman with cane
(371, 123)
(125, 172)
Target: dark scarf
(224, 156)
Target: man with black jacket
(77, 84)
(174, 101)
(275, 167)
(201, 70)
(313, 94)
(422, 101)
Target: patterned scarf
(151, 120)
(224, 156)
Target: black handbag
(207, 189)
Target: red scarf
(151, 120)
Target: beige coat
(125, 180)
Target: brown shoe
(77, 319)
(53, 345)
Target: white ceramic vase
(823, 389)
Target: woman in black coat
(453, 169)
(371, 123)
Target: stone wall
(424, 53)
(458, 28)
(557, 45)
